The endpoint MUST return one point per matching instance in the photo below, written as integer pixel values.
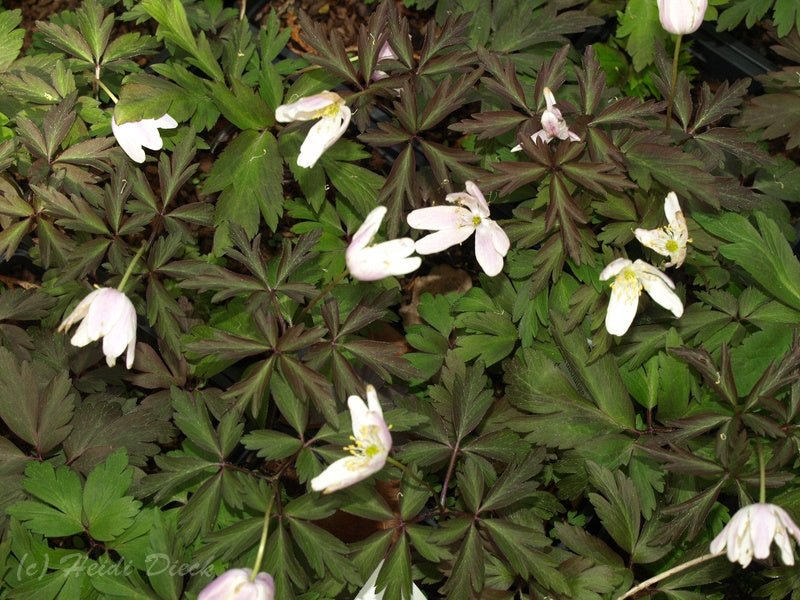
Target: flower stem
(107, 91)
(668, 573)
(242, 9)
(322, 293)
(262, 544)
(396, 463)
(674, 81)
(762, 473)
(129, 270)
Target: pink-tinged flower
(369, 591)
(386, 53)
(670, 240)
(372, 262)
(629, 280)
(454, 224)
(751, 531)
(109, 314)
(553, 124)
(333, 115)
(236, 585)
(134, 136)
(371, 444)
(681, 16)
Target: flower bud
(681, 16)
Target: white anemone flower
(333, 115)
(681, 16)
(629, 280)
(670, 240)
(370, 262)
(109, 314)
(136, 135)
(751, 531)
(454, 224)
(235, 584)
(369, 591)
(553, 124)
(371, 444)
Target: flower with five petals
(671, 239)
(553, 124)
(370, 262)
(109, 314)
(136, 135)
(454, 224)
(333, 115)
(629, 280)
(371, 444)
(235, 584)
(751, 531)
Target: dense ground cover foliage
(540, 287)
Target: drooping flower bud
(681, 16)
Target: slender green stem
(673, 82)
(762, 472)
(322, 293)
(242, 9)
(107, 91)
(396, 463)
(129, 270)
(262, 545)
(668, 573)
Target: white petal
(368, 592)
(382, 260)
(344, 473)
(613, 268)
(116, 340)
(574, 137)
(322, 135)
(645, 269)
(499, 238)
(621, 305)
(671, 207)
(481, 206)
(363, 237)
(655, 239)
(549, 98)
(439, 217)
(149, 137)
(442, 240)
(663, 295)
(128, 139)
(358, 412)
(80, 311)
(308, 108)
(490, 260)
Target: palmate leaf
(248, 165)
(106, 427)
(562, 417)
(107, 510)
(40, 415)
(57, 510)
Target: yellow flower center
(367, 445)
(329, 111)
(630, 284)
(671, 246)
(476, 220)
